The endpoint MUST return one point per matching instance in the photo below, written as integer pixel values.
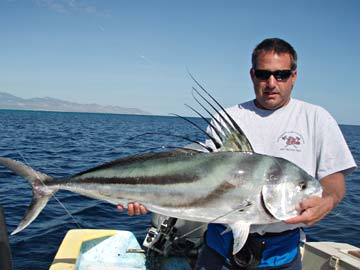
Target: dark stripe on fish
(148, 180)
(215, 194)
(136, 158)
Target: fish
(228, 183)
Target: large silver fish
(233, 185)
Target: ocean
(61, 144)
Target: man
(304, 134)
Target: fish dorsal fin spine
(223, 130)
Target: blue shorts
(278, 249)
(209, 259)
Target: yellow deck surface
(69, 250)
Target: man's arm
(316, 208)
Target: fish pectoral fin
(240, 208)
(240, 232)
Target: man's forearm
(334, 187)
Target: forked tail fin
(41, 192)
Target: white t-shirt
(302, 133)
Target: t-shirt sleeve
(333, 153)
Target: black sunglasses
(279, 75)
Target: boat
(98, 249)
(164, 248)
(87, 249)
(90, 249)
(330, 255)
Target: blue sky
(136, 53)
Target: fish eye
(302, 185)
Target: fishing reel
(165, 237)
(160, 239)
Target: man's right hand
(134, 208)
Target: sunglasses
(279, 75)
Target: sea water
(61, 144)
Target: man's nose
(271, 82)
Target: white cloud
(71, 6)
(54, 5)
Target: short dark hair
(276, 45)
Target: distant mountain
(10, 102)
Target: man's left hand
(312, 210)
(315, 208)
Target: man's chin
(269, 104)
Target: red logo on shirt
(291, 141)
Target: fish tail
(41, 192)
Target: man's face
(270, 93)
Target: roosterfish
(228, 184)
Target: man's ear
(252, 72)
(293, 77)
